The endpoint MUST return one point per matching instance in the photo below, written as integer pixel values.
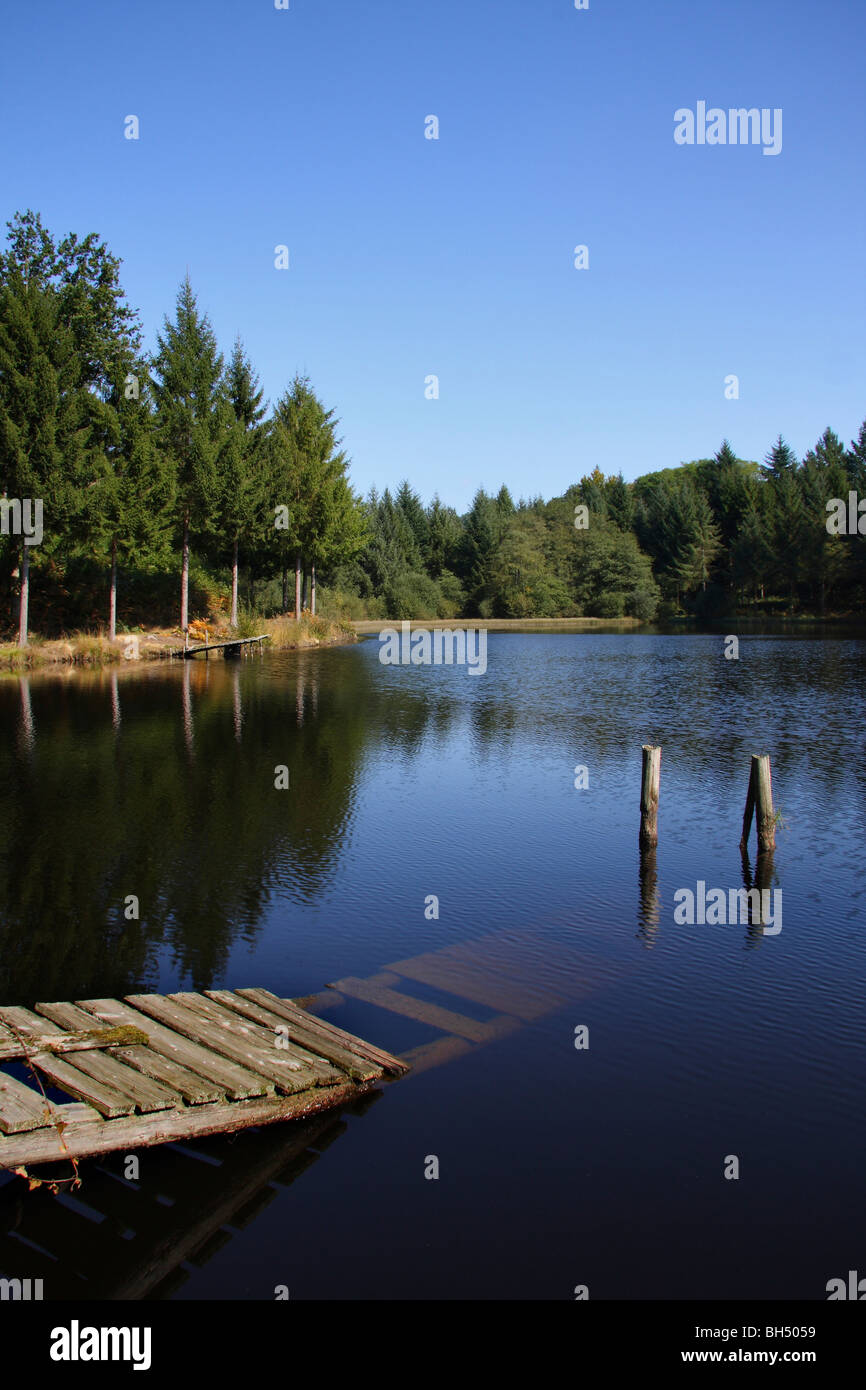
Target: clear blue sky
(454, 257)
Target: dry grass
(287, 633)
(80, 649)
(94, 648)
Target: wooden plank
(279, 1071)
(78, 1081)
(317, 1003)
(22, 1108)
(493, 991)
(104, 1098)
(146, 1094)
(358, 1068)
(563, 969)
(23, 1040)
(193, 1088)
(404, 1004)
(8, 1041)
(286, 1009)
(435, 1053)
(313, 1070)
(166, 1126)
(238, 1083)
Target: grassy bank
(155, 644)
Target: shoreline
(366, 626)
(89, 651)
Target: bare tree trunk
(112, 593)
(184, 576)
(304, 591)
(24, 600)
(313, 589)
(235, 584)
(297, 586)
(285, 588)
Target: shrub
(608, 606)
(642, 604)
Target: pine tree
(781, 459)
(192, 420)
(242, 477)
(306, 462)
(84, 279)
(824, 475)
(856, 462)
(42, 422)
(130, 506)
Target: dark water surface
(558, 1167)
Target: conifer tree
(242, 478)
(192, 420)
(780, 460)
(42, 420)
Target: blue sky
(455, 257)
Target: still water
(602, 1166)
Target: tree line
(706, 538)
(136, 457)
(144, 461)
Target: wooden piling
(759, 802)
(649, 795)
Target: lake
(706, 1047)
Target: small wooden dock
(230, 649)
(153, 1069)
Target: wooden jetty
(152, 1069)
(123, 1238)
(230, 649)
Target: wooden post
(649, 795)
(759, 802)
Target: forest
(169, 489)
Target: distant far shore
(496, 624)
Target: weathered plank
(22, 1041)
(494, 991)
(357, 1067)
(146, 1094)
(433, 1014)
(77, 1081)
(193, 1088)
(284, 1008)
(141, 1131)
(21, 1108)
(282, 1072)
(435, 1053)
(103, 1097)
(313, 1070)
(238, 1083)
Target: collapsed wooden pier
(152, 1069)
(230, 649)
(127, 1239)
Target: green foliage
(136, 461)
